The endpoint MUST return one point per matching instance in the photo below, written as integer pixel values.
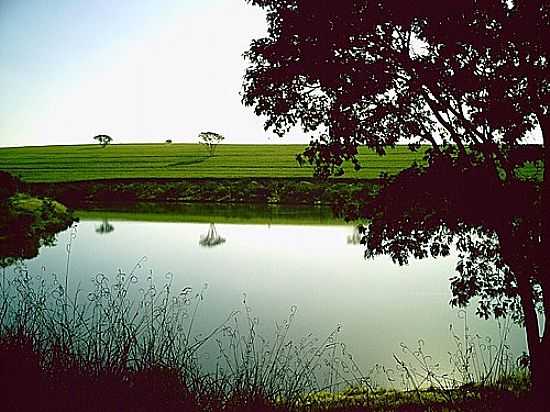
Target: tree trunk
(538, 342)
(531, 322)
(542, 378)
(541, 375)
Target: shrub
(9, 185)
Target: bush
(9, 185)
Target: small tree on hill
(103, 139)
(210, 140)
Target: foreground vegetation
(115, 348)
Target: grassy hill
(87, 162)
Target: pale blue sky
(138, 70)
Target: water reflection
(356, 236)
(21, 238)
(14, 249)
(212, 238)
(286, 264)
(207, 213)
(104, 228)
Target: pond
(279, 260)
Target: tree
(469, 78)
(103, 139)
(210, 140)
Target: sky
(137, 70)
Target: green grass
(88, 162)
(25, 203)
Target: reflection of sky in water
(378, 303)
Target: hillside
(89, 162)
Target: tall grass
(131, 343)
(480, 374)
(475, 360)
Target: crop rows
(85, 162)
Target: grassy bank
(134, 161)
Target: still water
(277, 259)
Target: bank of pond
(283, 191)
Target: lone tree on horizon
(210, 140)
(103, 139)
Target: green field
(87, 162)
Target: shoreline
(264, 191)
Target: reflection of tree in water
(21, 242)
(356, 236)
(212, 238)
(14, 249)
(104, 228)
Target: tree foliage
(210, 140)
(424, 212)
(471, 79)
(373, 73)
(103, 139)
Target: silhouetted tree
(470, 78)
(103, 139)
(210, 140)
(9, 185)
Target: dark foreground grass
(90, 162)
(132, 345)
